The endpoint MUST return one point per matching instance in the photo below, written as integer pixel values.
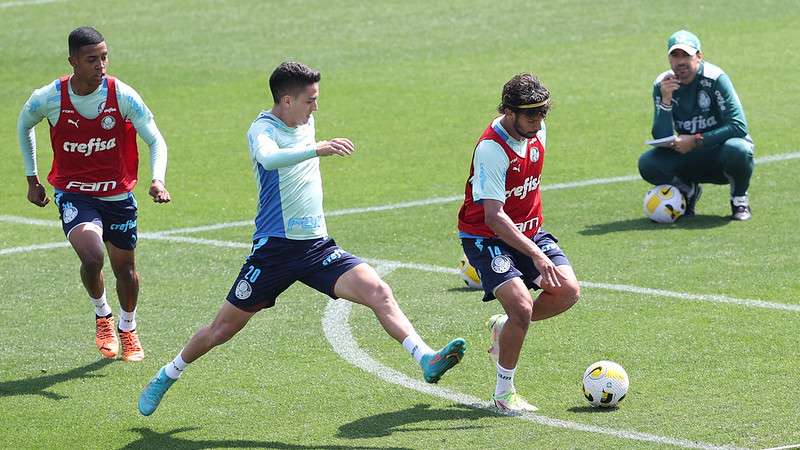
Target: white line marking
(785, 447)
(30, 248)
(27, 221)
(337, 330)
(438, 269)
(409, 204)
(27, 3)
(696, 297)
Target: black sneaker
(740, 212)
(692, 196)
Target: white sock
(505, 380)
(416, 347)
(127, 320)
(175, 368)
(738, 201)
(101, 308)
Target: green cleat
(436, 364)
(153, 392)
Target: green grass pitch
(703, 314)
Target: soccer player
(500, 229)
(93, 122)
(291, 242)
(696, 99)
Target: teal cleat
(436, 364)
(153, 392)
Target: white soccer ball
(664, 204)
(605, 384)
(468, 273)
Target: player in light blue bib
(291, 241)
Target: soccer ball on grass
(664, 204)
(468, 273)
(605, 384)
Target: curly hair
(525, 89)
(290, 78)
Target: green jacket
(709, 105)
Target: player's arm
(131, 106)
(28, 118)
(730, 109)
(663, 88)
(504, 228)
(271, 156)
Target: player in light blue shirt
(291, 242)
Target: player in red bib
(500, 228)
(94, 119)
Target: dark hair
(83, 36)
(524, 89)
(290, 78)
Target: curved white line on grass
(337, 330)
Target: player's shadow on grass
(381, 425)
(698, 222)
(39, 385)
(591, 409)
(150, 439)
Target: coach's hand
(669, 84)
(336, 146)
(684, 143)
(36, 192)
(159, 192)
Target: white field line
(431, 268)
(785, 447)
(337, 330)
(409, 204)
(30, 248)
(27, 3)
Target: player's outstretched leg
(434, 365)
(361, 284)
(154, 391)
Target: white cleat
(512, 402)
(495, 324)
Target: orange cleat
(131, 347)
(105, 338)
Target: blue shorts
(116, 218)
(276, 263)
(498, 262)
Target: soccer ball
(605, 384)
(468, 273)
(664, 204)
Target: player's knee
(570, 293)
(92, 262)
(221, 332)
(126, 273)
(520, 314)
(380, 296)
